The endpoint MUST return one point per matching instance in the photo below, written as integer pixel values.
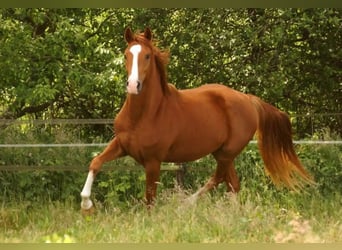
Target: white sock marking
(85, 194)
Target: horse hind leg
(231, 179)
(225, 172)
(211, 183)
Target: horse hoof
(87, 212)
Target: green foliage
(67, 63)
(40, 186)
(117, 188)
(43, 157)
(325, 163)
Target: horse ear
(129, 35)
(148, 34)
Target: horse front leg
(111, 152)
(152, 171)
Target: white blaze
(132, 83)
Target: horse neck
(148, 101)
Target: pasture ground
(280, 216)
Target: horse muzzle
(134, 87)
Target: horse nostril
(139, 85)
(127, 83)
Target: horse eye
(147, 56)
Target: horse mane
(161, 59)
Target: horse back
(209, 117)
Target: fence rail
(110, 120)
(165, 166)
(68, 145)
(56, 121)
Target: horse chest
(140, 142)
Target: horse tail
(274, 135)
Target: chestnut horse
(159, 123)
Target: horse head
(138, 56)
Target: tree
(68, 63)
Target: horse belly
(186, 154)
(197, 141)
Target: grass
(248, 217)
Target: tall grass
(247, 217)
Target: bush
(324, 162)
